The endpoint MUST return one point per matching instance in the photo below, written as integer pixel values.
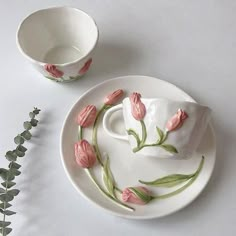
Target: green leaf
(160, 133)
(14, 172)
(3, 173)
(8, 184)
(4, 223)
(5, 205)
(21, 148)
(13, 192)
(26, 135)
(11, 156)
(19, 153)
(142, 195)
(14, 165)
(9, 213)
(5, 231)
(32, 115)
(27, 125)
(169, 148)
(108, 178)
(135, 135)
(6, 197)
(36, 110)
(168, 181)
(34, 122)
(18, 140)
(2, 190)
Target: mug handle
(106, 123)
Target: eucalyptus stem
(118, 202)
(185, 186)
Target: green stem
(144, 132)
(116, 201)
(80, 132)
(95, 131)
(171, 194)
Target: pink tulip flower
(177, 120)
(84, 154)
(53, 71)
(87, 116)
(137, 195)
(138, 109)
(114, 97)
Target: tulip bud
(137, 195)
(138, 109)
(84, 154)
(53, 71)
(177, 120)
(87, 116)
(114, 97)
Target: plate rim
(134, 217)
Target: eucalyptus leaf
(4, 223)
(36, 110)
(8, 184)
(19, 153)
(169, 148)
(5, 205)
(11, 156)
(14, 165)
(4, 173)
(160, 133)
(108, 178)
(21, 148)
(27, 125)
(13, 192)
(34, 122)
(26, 135)
(6, 197)
(18, 140)
(168, 181)
(5, 231)
(14, 172)
(32, 115)
(9, 213)
(2, 190)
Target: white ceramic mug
(59, 42)
(179, 142)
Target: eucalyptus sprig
(7, 193)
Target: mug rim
(56, 64)
(170, 100)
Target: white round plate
(127, 168)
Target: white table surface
(189, 43)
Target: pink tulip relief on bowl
(84, 154)
(87, 116)
(86, 66)
(177, 120)
(53, 71)
(113, 97)
(137, 195)
(138, 109)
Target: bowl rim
(56, 64)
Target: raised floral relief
(138, 111)
(87, 153)
(86, 66)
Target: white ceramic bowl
(59, 42)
